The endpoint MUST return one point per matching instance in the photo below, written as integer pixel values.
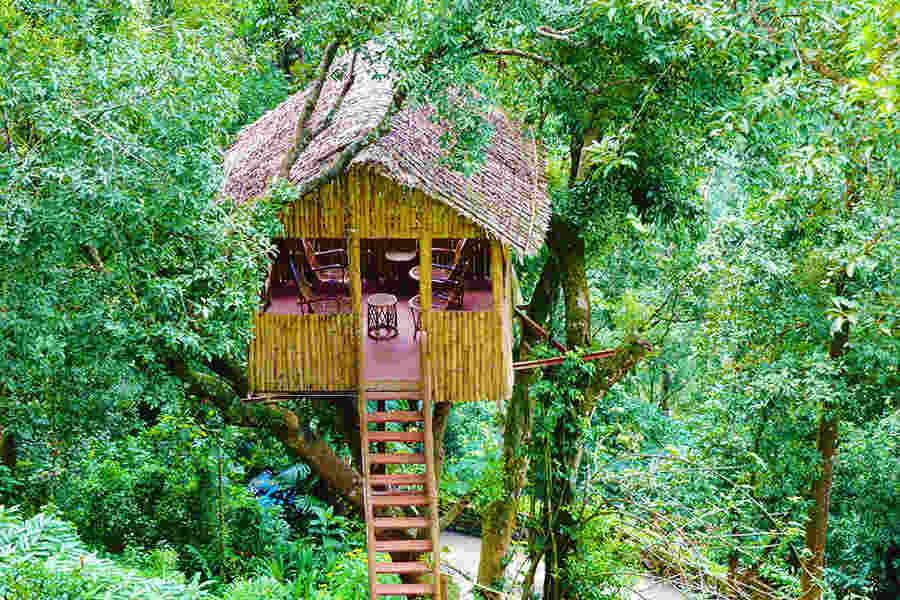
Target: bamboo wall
(374, 207)
(324, 352)
(466, 356)
(304, 353)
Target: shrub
(42, 558)
(161, 489)
(604, 557)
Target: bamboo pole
(430, 479)
(356, 301)
(425, 287)
(497, 334)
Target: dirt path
(464, 550)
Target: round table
(400, 255)
(396, 257)
(436, 272)
(381, 316)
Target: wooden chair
(307, 296)
(442, 270)
(450, 290)
(451, 257)
(331, 276)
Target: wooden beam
(496, 385)
(425, 279)
(432, 484)
(497, 275)
(558, 360)
(540, 330)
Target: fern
(43, 557)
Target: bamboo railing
(466, 356)
(304, 352)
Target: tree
(116, 261)
(822, 204)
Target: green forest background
(724, 177)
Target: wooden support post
(431, 483)
(367, 488)
(497, 337)
(497, 276)
(356, 280)
(425, 280)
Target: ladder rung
(403, 546)
(401, 589)
(401, 523)
(397, 479)
(397, 416)
(392, 385)
(399, 500)
(402, 567)
(396, 395)
(397, 436)
(397, 459)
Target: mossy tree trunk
(498, 521)
(813, 564)
(8, 449)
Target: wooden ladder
(386, 490)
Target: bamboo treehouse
(344, 307)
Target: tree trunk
(568, 245)
(8, 450)
(666, 386)
(817, 524)
(498, 521)
(813, 564)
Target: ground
(460, 560)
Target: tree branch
(348, 83)
(94, 255)
(561, 36)
(821, 68)
(234, 372)
(309, 106)
(456, 510)
(349, 153)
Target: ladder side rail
(431, 483)
(367, 489)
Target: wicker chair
(443, 268)
(450, 290)
(307, 296)
(331, 277)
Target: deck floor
(397, 358)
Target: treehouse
(344, 307)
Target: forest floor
(461, 562)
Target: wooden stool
(381, 316)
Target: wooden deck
(318, 352)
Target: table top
(441, 272)
(400, 255)
(416, 304)
(382, 299)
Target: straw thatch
(507, 196)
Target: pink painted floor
(397, 358)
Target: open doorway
(312, 276)
(391, 296)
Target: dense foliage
(724, 178)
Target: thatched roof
(507, 196)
